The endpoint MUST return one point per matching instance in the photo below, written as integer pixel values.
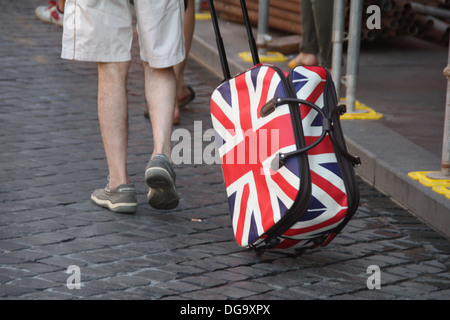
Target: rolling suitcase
(289, 178)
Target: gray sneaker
(121, 199)
(160, 177)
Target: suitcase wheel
(260, 251)
(300, 251)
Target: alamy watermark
(244, 147)
(374, 280)
(74, 280)
(72, 13)
(374, 19)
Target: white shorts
(102, 31)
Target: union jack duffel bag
(289, 179)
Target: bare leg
(160, 93)
(189, 26)
(113, 118)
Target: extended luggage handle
(219, 40)
(327, 128)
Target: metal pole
(353, 53)
(263, 26)
(338, 38)
(445, 164)
(198, 4)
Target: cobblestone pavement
(52, 158)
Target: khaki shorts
(102, 31)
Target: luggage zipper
(345, 160)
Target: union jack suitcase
(289, 179)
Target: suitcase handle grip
(270, 106)
(327, 125)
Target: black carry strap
(219, 41)
(327, 128)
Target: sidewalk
(400, 79)
(52, 158)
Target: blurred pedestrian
(317, 25)
(102, 31)
(52, 13)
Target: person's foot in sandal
(304, 59)
(186, 97)
(52, 13)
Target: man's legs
(119, 195)
(113, 118)
(160, 93)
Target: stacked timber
(426, 19)
(283, 15)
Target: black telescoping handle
(219, 41)
(251, 39)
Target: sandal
(299, 60)
(188, 99)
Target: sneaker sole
(162, 198)
(163, 193)
(115, 207)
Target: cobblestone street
(52, 158)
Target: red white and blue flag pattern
(258, 196)
(329, 200)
